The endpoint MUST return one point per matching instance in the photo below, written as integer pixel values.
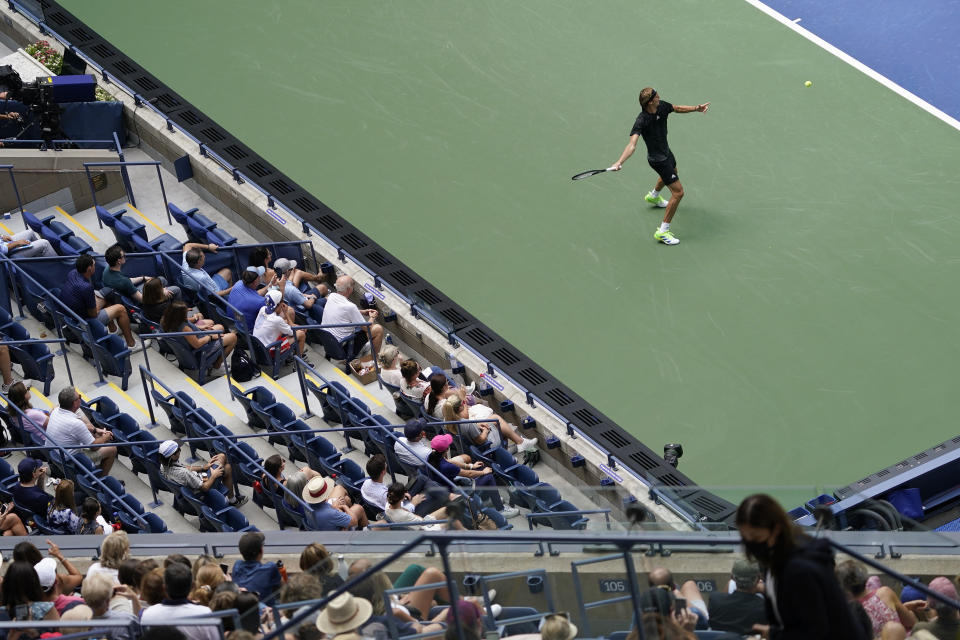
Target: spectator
(62, 512)
(946, 624)
(177, 557)
(29, 495)
(400, 508)
(271, 326)
(114, 549)
(461, 466)
(91, 517)
(199, 477)
(374, 588)
(25, 244)
(290, 277)
(741, 610)
(390, 365)
(123, 285)
(70, 580)
(417, 447)
(660, 618)
(327, 516)
(373, 490)
(339, 310)
(97, 592)
(246, 296)
(5, 370)
(343, 614)
(804, 598)
(131, 574)
(78, 295)
(316, 560)
(471, 624)
(195, 278)
(175, 319)
(557, 627)
(151, 587)
(480, 433)
(155, 303)
(47, 574)
(274, 466)
(881, 605)
(206, 581)
(36, 422)
(23, 599)
(252, 573)
(177, 582)
(10, 523)
(440, 391)
(413, 387)
(68, 426)
(660, 577)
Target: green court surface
(802, 333)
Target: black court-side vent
(617, 439)
(506, 356)
(671, 480)
(329, 222)
(190, 117)
(920, 456)
(58, 18)
(427, 296)
(479, 336)
(168, 101)
(309, 206)
(257, 169)
(645, 460)
(352, 241)
(146, 83)
(882, 473)
(704, 503)
(280, 187)
(103, 50)
(956, 440)
(558, 396)
(403, 278)
(124, 67)
(453, 316)
(586, 417)
(235, 152)
(531, 375)
(377, 259)
(213, 134)
(80, 34)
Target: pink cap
(944, 587)
(441, 442)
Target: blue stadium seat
(110, 352)
(259, 395)
(194, 362)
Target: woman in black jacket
(804, 599)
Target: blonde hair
(315, 554)
(114, 549)
(556, 628)
(96, 590)
(208, 578)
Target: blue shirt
(199, 276)
(262, 578)
(327, 518)
(248, 301)
(77, 293)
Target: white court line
(856, 64)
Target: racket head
(587, 174)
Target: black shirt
(652, 127)
(33, 498)
(737, 611)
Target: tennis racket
(592, 172)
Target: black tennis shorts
(666, 169)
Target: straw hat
(318, 489)
(344, 613)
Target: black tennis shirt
(652, 127)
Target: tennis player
(651, 124)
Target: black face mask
(758, 550)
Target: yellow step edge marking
(7, 229)
(359, 388)
(237, 385)
(282, 390)
(126, 396)
(34, 393)
(149, 221)
(83, 396)
(205, 394)
(74, 221)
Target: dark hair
(21, 585)
(316, 559)
(249, 277)
(248, 606)
(258, 257)
(177, 580)
(251, 545)
(153, 291)
(113, 254)
(852, 576)
(26, 552)
(89, 508)
(17, 393)
(273, 464)
(163, 633)
(64, 496)
(763, 512)
(131, 573)
(151, 586)
(434, 458)
(395, 492)
(437, 382)
(193, 256)
(178, 558)
(376, 465)
(83, 263)
(174, 317)
(408, 369)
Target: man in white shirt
(68, 426)
(177, 579)
(271, 325)
(373, 489)
(339, 310)
(416, 440)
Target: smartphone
(3, 508)
(22, 612)
(680, 605)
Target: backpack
(242, 366)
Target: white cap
(47, 572)
(275, 296)
(168, 448)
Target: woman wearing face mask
(804, 599)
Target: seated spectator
(413, 386)
(78, 294)
(47, 573)
(881, 605)
(98, 591)
(198, 477)
(69, 426)
(5, 370)
(155, 302)
(480, 433)
(62, 512)
(331, 517)
(274, 466)
(247, 297)
(177, 582)
(400, 508)
(10, 522)
(122, 284)
(25, 244)
(36, 422)
(440, 391)
(340, 310)
(461, 466)
(252, 573)
(403, 608)
(557, 627)
(175, 320)
(195, 278)
(316, 560)
(417, 445)
(660, 619)
(344, 614)
(660, 577)
(68, 581)
(373, 490)
(739, 611)
(390, 365)
(205, 583)
(91, 517)
(131, 572)
(946, 621)
(289, 275)
(23, 599)
(29, 495)
(271, 326)
(114, 549)
(151, 587)
(471, 624)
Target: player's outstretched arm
(627, 152)
(682, 108)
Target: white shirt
(269, 327)
(374, 492)
(339, 310)
(392, 376)
(169, 612)
(421, 448)
(66, 428)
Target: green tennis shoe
(665, 237)
(657, 201)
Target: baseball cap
(441, 442)
(944, 587)
(168, 448)
(413, 428)
(274, 297)
(468, 612)
(283, 264)
(47, 572)
(28, 465)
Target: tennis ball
(807, 84)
